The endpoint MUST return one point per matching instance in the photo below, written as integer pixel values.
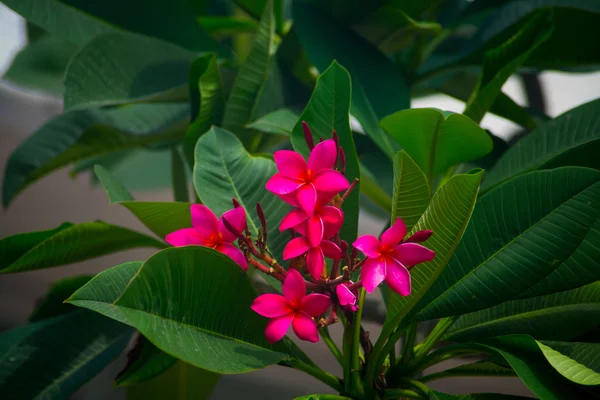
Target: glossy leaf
(570, 139)
(279, 122)
(329, 110)
(52, 304)
(226, 26)
(578, 362)
(222, 334)
(411, 190)
(535, 222)
(479, 368)
(436, 139)
(67, 244)
(82, 134)
(557, 316)
(144, 362)
(118, 68)
(475, 396)
(77, 346)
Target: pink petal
(315, 304)
(234, 253)
(295, 247)
(420, 236)
(307, 198)
(368, 244)
(293, 218)
(315, 231)
(289, 163)
(237, 219)
(289, 198)
(410, 254)
(277, 327)
(331, 250)
(315, 262)
(345, 296)
(204, 221)
(398, 278)
(395, 234)
(185, 237)
(294, 288)
(330, 181)
(373, 273)
(271, 305)
(333, 219)
(280, 184)
(323, 156)
(305, 328)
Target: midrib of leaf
(551, 353)
(432, 152)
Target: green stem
(452, 374)
(436, 334)
(357, 384)
(446, 353)
(347, 348)
(402, 393)
(178, 175)
(331, 344)
(408, 350)
(316, 372)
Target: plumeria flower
(294, 307)
(346, 296)
(315, 255)
(390, 259)
(299, 183)
(210, 232)
(324, 224)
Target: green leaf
(411, 191)
(529, 224)
(255, 8)
(226, 26)
(475, 396)
(182, 382)
(161, 218)
(557, 316)
(279, 122)
(329, 110)
(570, 139)
(246, 88)
(578, 362)
(67, 244)
(436, 139)
(322, 397)
(51, 359)
(378, 88)
(81, 134)
(145, 362)
(479, 368)
(118, 68)
(179, 173)
(458, 195)
(500, 63)
(222, 334)
(52, 304)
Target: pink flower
(210, 232)
(299, 183)
(294, 308)
(315, 255)
(346, 296)
(390, 259)
(324, 224)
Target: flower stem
(408, 350)
(331, 344)
(316, 372)
(436, 334)
(355, 362)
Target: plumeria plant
(289, 120)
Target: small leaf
(279, 122)
(411, 191)
(578, 362)
(52, 304)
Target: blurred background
(61, 197)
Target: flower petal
(410, 254)
(280, 184)
(368, 244)
(277, 327)
(373, 273)
(294, 287)
(345, 296)
(323, 156)
(331, 250)
(185, 237)
(398, 278)
(315, 230)
(295, 247)
(271, 305)
(394, 234)
(305, 327)
(234, 253)
(315, 262)
(307, 198)
(289, 163)
(237, 219)
(333, 219)
(289, 198)
(204, 221)
(330, 181)
(315, 304)
(293, 218)
(420, 236)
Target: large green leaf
(52, 304)
(458, 195)
(279, 122)
(558, 316)
(378, 88)
(221, 334)
(570, 139)
(518, 234)
(475, 396)
(226, 26)
(578, 362)
(51, 359)
(67, 244)
(144, 362)
(117, 68)
(329, 110)
(411, 190)
(82, 134)
(436, 139)
(479, 368)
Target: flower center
(214, 240)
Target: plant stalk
(317, 373)
(331, 344)
(357, 383)
(434, 337)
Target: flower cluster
(314, 188)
